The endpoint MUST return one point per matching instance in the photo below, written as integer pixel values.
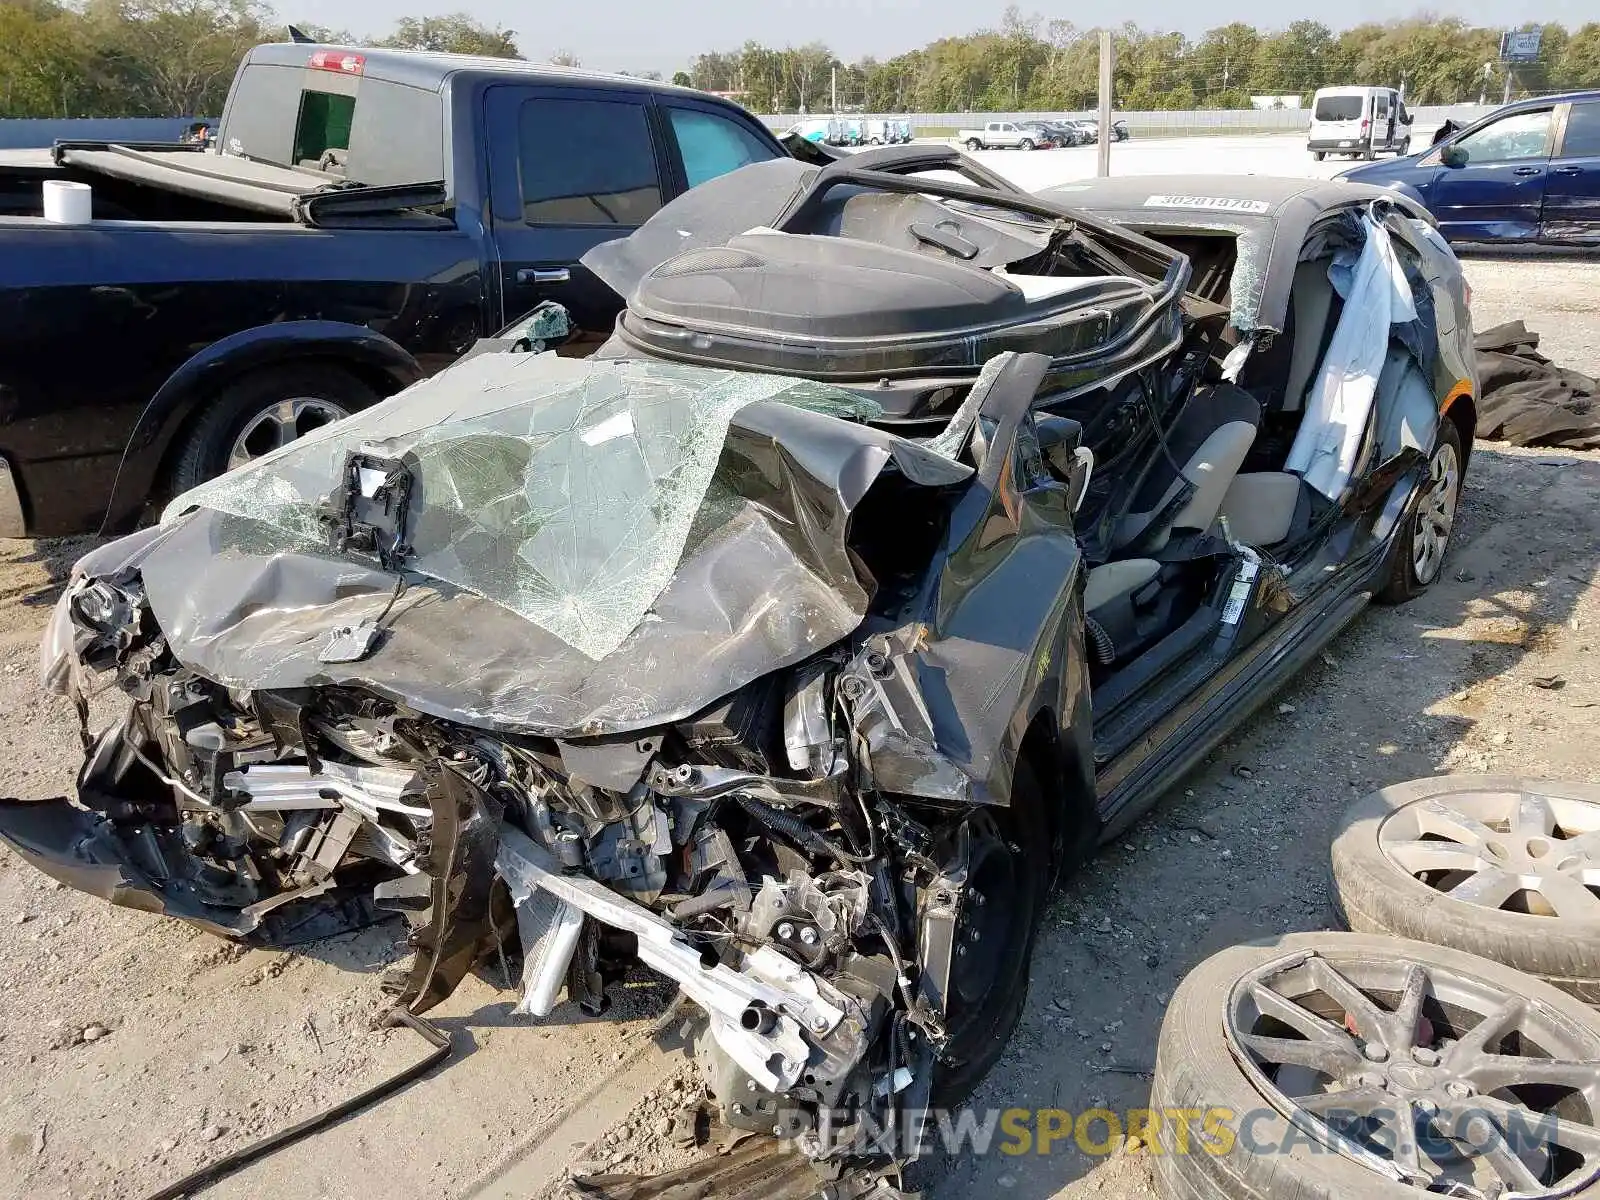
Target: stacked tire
(1448, 1046)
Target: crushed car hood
(590, 547)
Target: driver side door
(1498, 192)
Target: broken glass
(564, 490)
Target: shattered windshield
(564, 490)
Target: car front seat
(1209, 440)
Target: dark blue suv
(1528, 172)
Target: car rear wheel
(262, 412)
(1501, 866)
(1319, 155)
(1424, 540)
(1329, 1065)
(1027, 143)
(974, 144)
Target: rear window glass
(324, 125)
(1339, 108)
(587, 162)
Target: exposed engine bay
(769, 794)
(833, 936)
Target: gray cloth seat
(1311, 301)
(1210, 441)
(1260, 507)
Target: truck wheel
(262, 411)
(1319, 155)
(1027, 143)
(974, 144)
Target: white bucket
(68, 203)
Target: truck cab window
(587, 162)
(324, 125)
(711, 145)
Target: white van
(1360, 122)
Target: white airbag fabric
(1339, 406)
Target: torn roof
(1269, 215)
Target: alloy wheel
(1424, 1074)
(1516, 851)
(1436, 513)
(282, 423)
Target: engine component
(767, 1014)
(812, 919)
(550, 929)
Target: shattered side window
(563, 489)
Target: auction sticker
(1211, 203)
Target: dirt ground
(134, 1049)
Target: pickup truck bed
(371, 214)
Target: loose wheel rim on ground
(1522, 851)
(1433, 1090)
(282, 423)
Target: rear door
(1572, 196)
(1498, 193)
(1339, 122)
(569, 168)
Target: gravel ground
(134, 1049)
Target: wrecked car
(909, 536)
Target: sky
(641, 35)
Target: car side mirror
(1453, 156)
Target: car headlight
(57, 657)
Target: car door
(1572, 196)
(1494, 183)
(706, 140)
(569, 168)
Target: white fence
(1155, 124)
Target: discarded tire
(1344, 1065)
(1496, 865)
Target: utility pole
(1506, 99)
(834, 87)
(1106, 51)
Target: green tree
(43, 71)
(455, 33)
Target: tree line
(177, 58)
(1031, 64)
(162, 58)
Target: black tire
(1027, 144)
(1196, 1070)
(1405, 580)
(205, 451)
(1319, 155)
(978, 1038)
(974, 144)
(1376, 895)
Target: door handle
(544, 275)
(1567, 171)
(1526, 171)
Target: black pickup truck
(362, 219)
